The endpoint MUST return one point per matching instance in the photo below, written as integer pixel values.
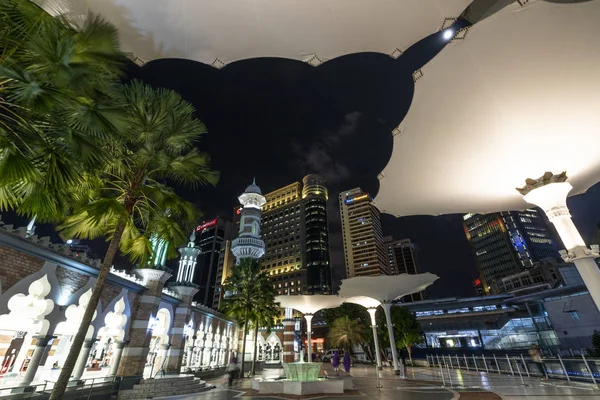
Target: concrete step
(127, 394)
(170, 385)
(167, 379)
(165, 387)
(197, 383)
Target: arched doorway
(25, 322)
(159, 344)
(270, 350)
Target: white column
(190, 354)
(36, 357)
(388, 317)
(376, 339)
(552, 198)
(308, 318)
(116, 358)
(82, 359)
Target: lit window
(574, 315)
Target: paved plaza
(425, 384)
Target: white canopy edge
(516, 98)
(219, 32)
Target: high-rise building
(295, 232)
(507, 243)
(226, 263)
(318, 270)
(210, 239)
(364, 251)
(296, 235)
(403, 259)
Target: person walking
(403, 354)
(335, 362)
(232, 371)
(347, 362)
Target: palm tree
(57, 105)
(128, 200)
(264, 315)
(408, 339)
(407, 329)
(245, 290)
(346, 333)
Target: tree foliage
(58, 105)
(346, 333)
(250, 297)
(595, 350)
(361, 316)
(265, 313)
(407, 330)
(157, 147)
(128, 199)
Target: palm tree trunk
(253, 369)
(244, 345)
(67, 369)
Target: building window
(574, 315)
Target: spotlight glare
(448, 34)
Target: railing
(583, 369)
(23, 392)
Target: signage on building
(208, 224)
(358, 198)
(315, 340)
(238, 211)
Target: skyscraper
(296, 236)
(318, 270)
(210, 239)
(506, 243)
(364, 251)
(403, 259)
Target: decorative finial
(254, 180)
(545, 179)
(193, 236)
(31, 227)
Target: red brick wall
(109, 292)
(70, 281)
(16, 266)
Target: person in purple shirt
(347, 361)
(335, 362)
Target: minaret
(187, 261)
(248, 243)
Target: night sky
(279, 120)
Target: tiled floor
(425, 384)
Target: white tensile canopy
(219, 32)
(517, 97)
(309, 304)
(384, 288)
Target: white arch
(112, 308)
(28, 312)
(74, 315)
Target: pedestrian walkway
(422, 384)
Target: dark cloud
(318, 157)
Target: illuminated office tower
(507, 243)
(364, 251)
(295, 231)
(210, 239)
(403, 259)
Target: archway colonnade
(136, 331)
